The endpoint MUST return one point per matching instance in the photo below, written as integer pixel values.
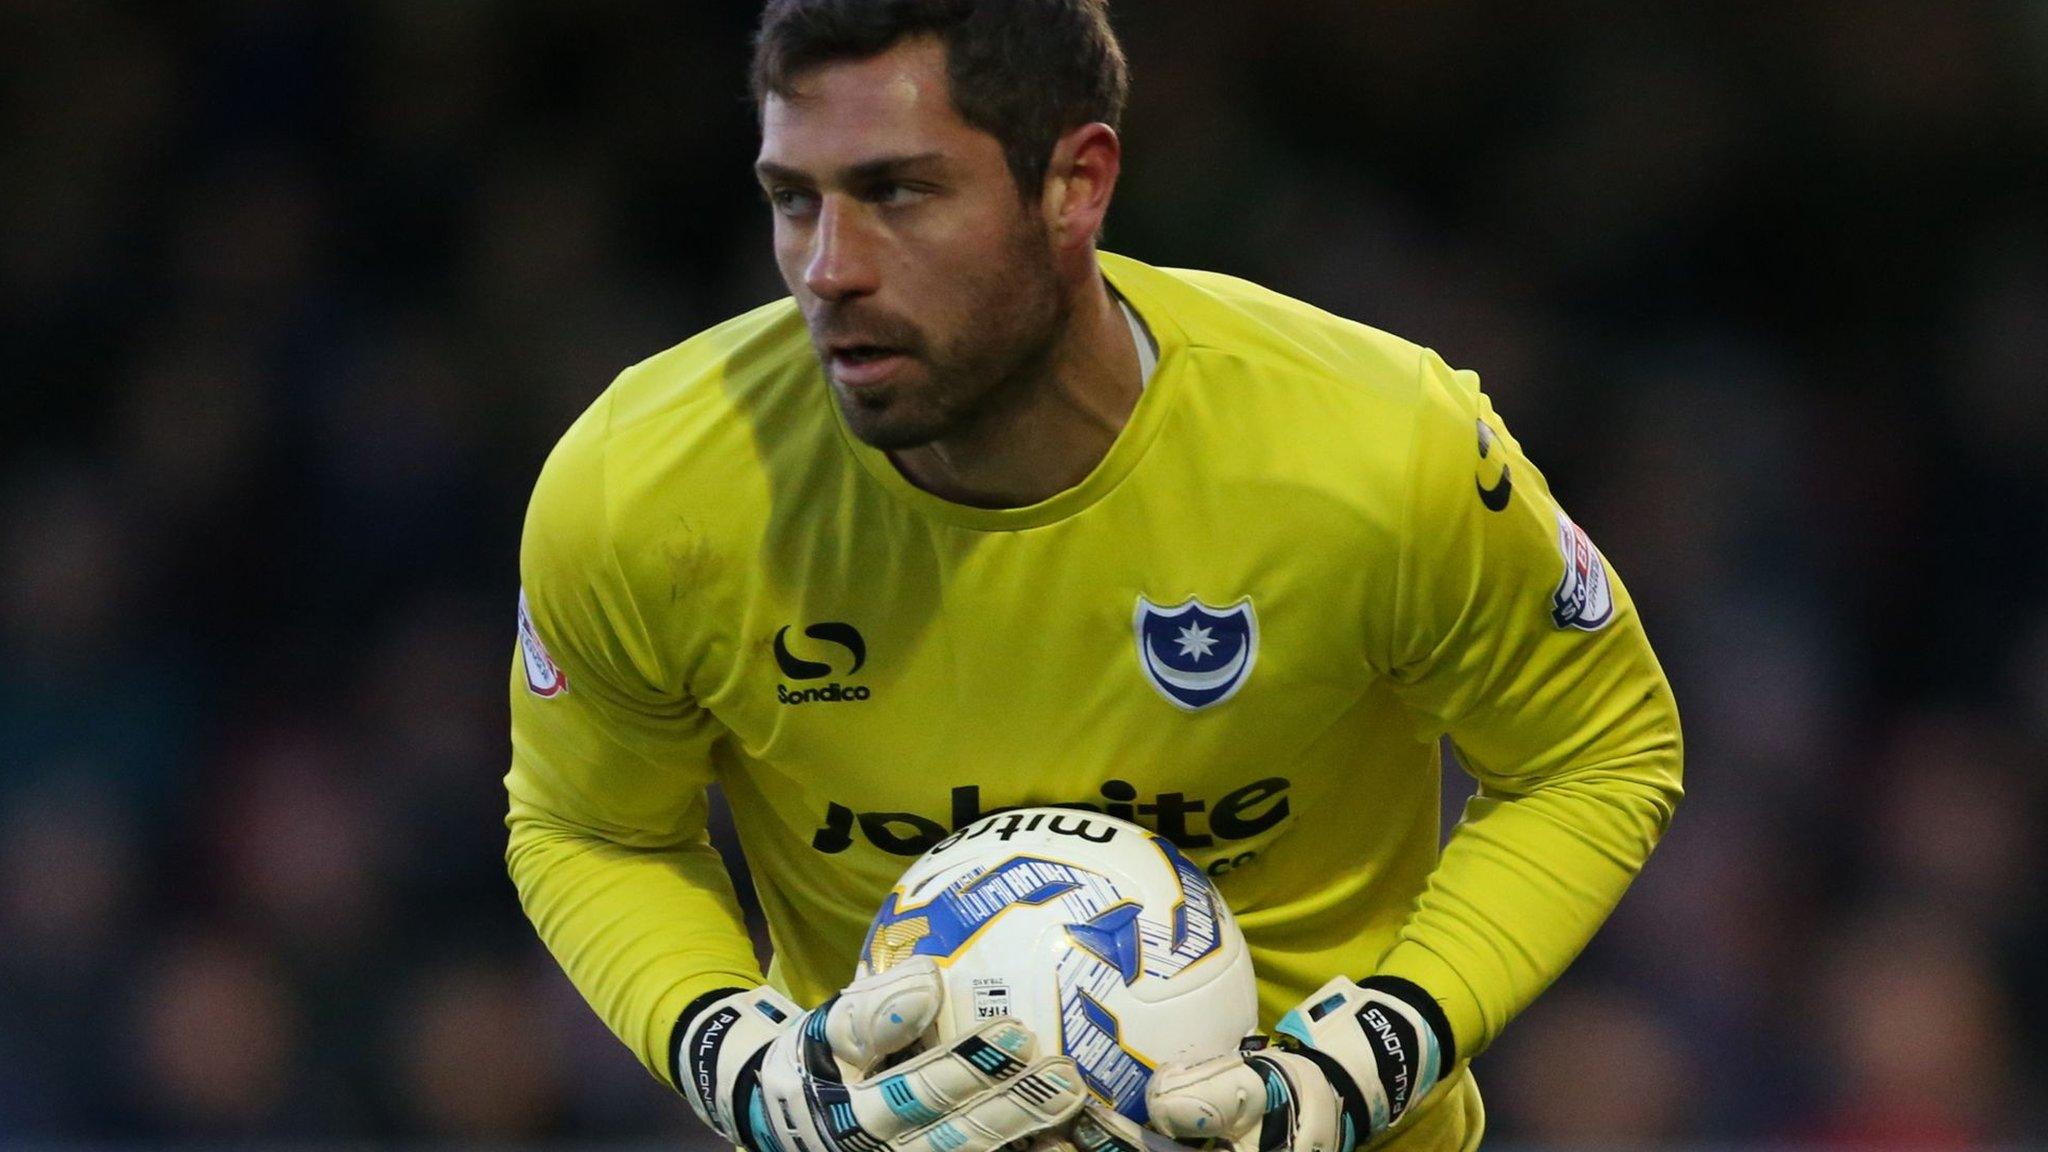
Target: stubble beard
(1017, 311)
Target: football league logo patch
(1196, 655)
(1583, 599)
(543, 677)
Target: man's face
(928, 284)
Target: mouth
(859, 365)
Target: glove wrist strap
(1425, 1006)
(1387, 1039)
(718, 1043)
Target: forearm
(1524, 882)
(641, 932)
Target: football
(1097, 934)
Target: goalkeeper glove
(1347, 1064)
(773, 1078)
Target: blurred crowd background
(295, 297)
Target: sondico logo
(1192, 824)
(795, 667)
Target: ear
(1079, 183)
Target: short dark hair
(1023, 71)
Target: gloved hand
(773, 1078)
(1346, 1065)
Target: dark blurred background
(295, 297)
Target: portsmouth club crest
(1196, 655)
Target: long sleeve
(1513, 636)
(610, 761)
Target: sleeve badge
(1583, 599)
(544, 677)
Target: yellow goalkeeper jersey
(1313, 550)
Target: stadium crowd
(295, 297)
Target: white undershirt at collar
(1141, 337)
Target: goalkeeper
(982, 517)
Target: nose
(841, 261)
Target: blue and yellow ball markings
(948, 923)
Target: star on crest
(1196, 641)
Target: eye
(890, 194)
(791, 201)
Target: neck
(1060, 427)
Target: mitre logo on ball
(1097, 934)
